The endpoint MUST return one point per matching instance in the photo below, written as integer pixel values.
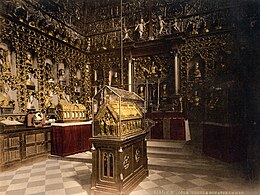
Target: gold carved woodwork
(6, 103)
(104, 63)
(207, 47)
(40, 46)
(7, 81)
(151, 67)
(5, 66)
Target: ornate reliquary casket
(119, 148)
(67, 112)
(118, 119)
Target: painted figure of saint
(197, 73)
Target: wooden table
(70, 138)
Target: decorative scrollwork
(31, 50)
(147, 67)
(137, 155)
(207, 49)
(126, 162)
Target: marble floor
(62, 177)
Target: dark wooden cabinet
(19, 143)
(225, 142)
(168, 125)
(71, 138)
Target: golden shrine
(67, 112)
(119, 151)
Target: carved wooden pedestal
(118, 165)
(119, 153)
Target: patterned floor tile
(140, 192)
(83, 172)
(53, 181)
(6, 177)
(71, 184)
(3, 187)
(68, 169)
(33, 174)
(80, 168)
(74, 190)
(57, 177)
(56, 171)
(36, 170)
(154, 177)
(23, 171)
(19, 186)
(53, 176)
(37, 193)
(68, 179)
(186, 185)
(56, 167)
(82, 193)
(29, 167)
(172, 187)
(5, 183)
(156, 191)
(16, 192)
(199, 175)
(56, 192)
(84, 181)
(188, 176)
(166, 174)
(161, 182)
(212, 179)
(199, 182)
(196, 189)
(148, 184)
(213, 187)
(155, 171)
(228, 185)
(51, 162)
(68, 174)
(38, 166)
(175, 179)
(35, 190)
(87, 188)
(138, 188)
(36, 178)
(36, 183)
(52, 187)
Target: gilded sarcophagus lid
(67, 112)
(117, 113)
